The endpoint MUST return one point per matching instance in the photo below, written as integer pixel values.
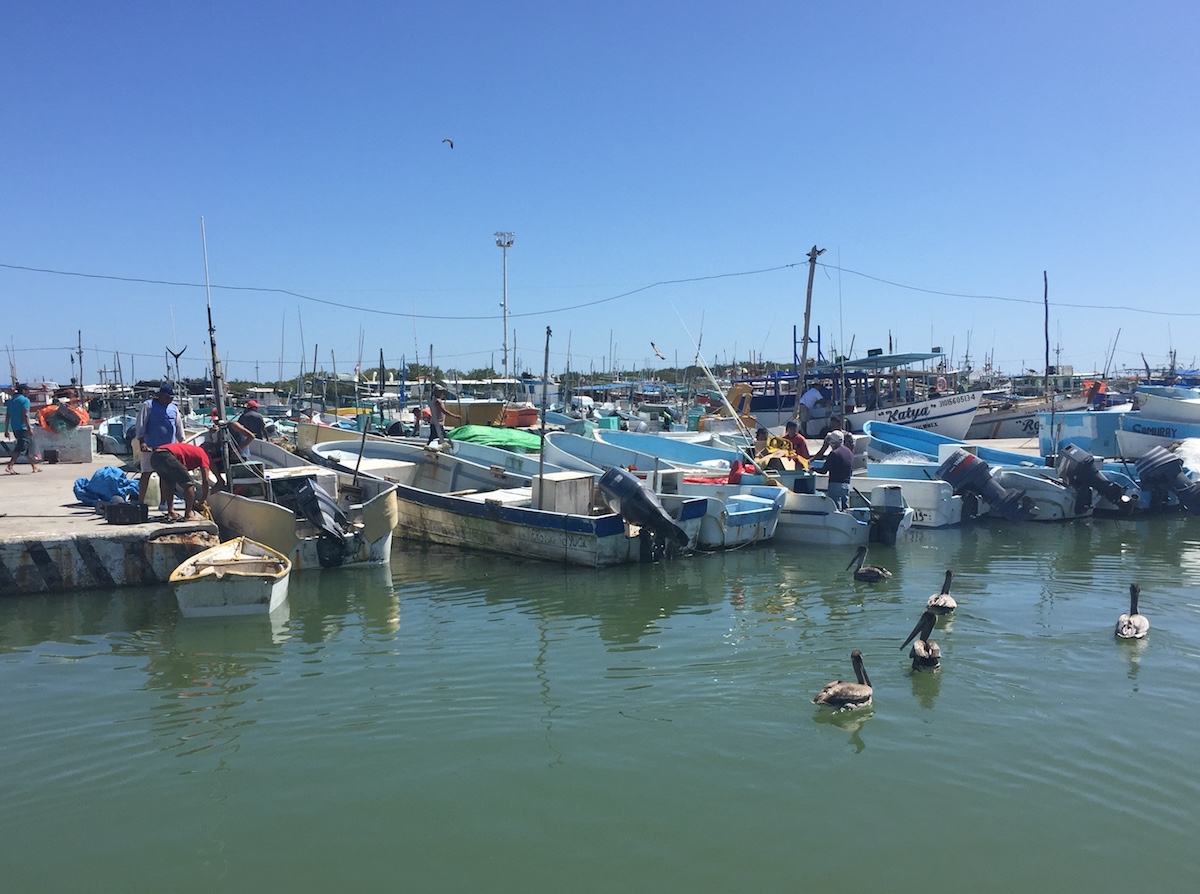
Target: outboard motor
(887, 512)
(638, 505)
(322, 510)
(1161, 472)
(1078, 469)
(968, 474)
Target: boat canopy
(877, 363)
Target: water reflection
(322, 601)
(32, 620)
(1131, 650)
(628, 602)
(204, 668)
(926, 687)
(848, 721)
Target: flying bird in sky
(657, 351)
(451, 142)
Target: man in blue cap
(16, 419)
(159, 423)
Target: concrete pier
(50, 542)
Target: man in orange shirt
(172, 462)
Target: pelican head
(860, 556)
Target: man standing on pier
(159, 423)
(16, 418)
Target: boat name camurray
(1162, 431)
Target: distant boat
(236, 577)
(1015, 417)
(772, 399)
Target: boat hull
(236, 577)
(496, 522)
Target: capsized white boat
(237, 577)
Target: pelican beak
(923, 626)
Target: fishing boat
(556, 517)
(680, 451)
(594, 455)
(1016, 417)
(236, 577)
(317, 516)
(736, 516)
(881, 389)
(1013, 485)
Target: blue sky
(665, 168)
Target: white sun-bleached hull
(236, 577)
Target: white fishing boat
(1016, 417)
(317, 516)
(557, 517)
(882, 388)
(237, 577)
(733, 516)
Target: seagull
(1132, 625)
(925, 653)
(657, 351)
(943, 603)
(871, 574)
(847, 696)
(451, 142)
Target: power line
(598, 301)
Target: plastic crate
(126, 513)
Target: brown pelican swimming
(844, 696)
(943, 603)
(925, 654)
(1132, 625)
(870, 573)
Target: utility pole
(505, 241)
(812, 269)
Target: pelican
(872, 574)
(846, 696)
(924, 653)
(943, 603)
(1132, 625)
(451, 142)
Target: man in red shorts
(172, 462)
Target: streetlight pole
(505, 241)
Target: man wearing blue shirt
(159, 423)
(16, 420)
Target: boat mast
(218, 388)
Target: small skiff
(237, 577)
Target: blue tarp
(104, 485)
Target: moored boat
(236, 577)
(447, 500)
(317, 516)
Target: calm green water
(464, 723)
